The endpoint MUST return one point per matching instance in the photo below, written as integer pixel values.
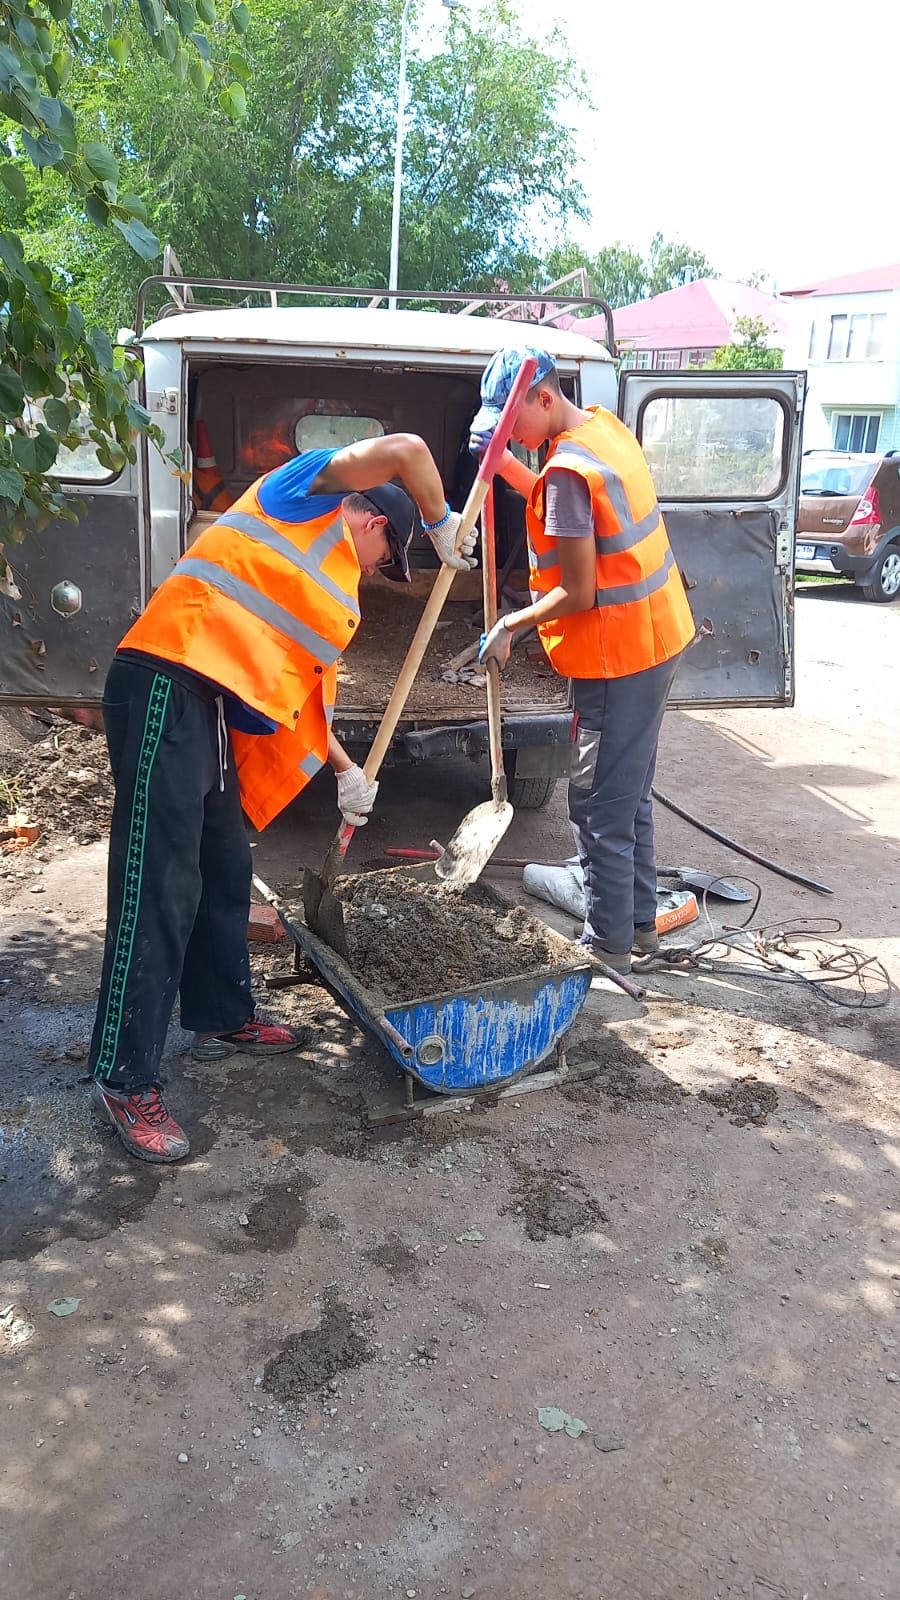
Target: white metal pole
(393, 274)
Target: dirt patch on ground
(746, 1100)
(621, 1075)
(554, 1204)
(274, 1220)
(63, 782)
(241, 1288)
(712, 1250)
(307, 1361)
(408, 939)
(395, 1257)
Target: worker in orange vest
(612, 615)
(222, 695)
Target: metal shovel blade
(473, 843)
(324, 913)
(717, 888)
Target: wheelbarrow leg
(409, 1091)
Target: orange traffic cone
(208, 490)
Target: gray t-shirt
(567, 505)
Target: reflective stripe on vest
(310, 765)
(259, 605)
(624, 593)
(631, 532)
(308, 561)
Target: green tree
(55, 367)
(749, 351)
(301, 191)
(671, 264)
(621, 275)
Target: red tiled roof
(698, 316)
(853, 282)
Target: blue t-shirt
(284, 493)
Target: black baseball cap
(395, 504)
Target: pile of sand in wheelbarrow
(408, 938)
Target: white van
(309, 369)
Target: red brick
(264, 926)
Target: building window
(856, 432)
(837, 338)
(813, 343)
(699, 358)
(859, 337)
(668, 360)
(877, 329)
(637, 360)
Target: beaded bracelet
(435, 527)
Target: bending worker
(612, 614)
(222, 695)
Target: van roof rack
(542, 307)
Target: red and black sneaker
(143, 1123)
(256, 1038)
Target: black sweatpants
(179, 875)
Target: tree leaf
(240, 16)
(142, 241)
(118, 49)
(207, 10)
(201, 45)
(101, 161)
(58, 416)
(240, 66)
(12, 484)
(233, 101)
(201, 76)
(12, 392)
(13, 178)
(44, 152)
(180, 66)
(108, 16)
(138, 416)
(133, 205)
(96, 208)
(101, 344)
(23, 452)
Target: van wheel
(886, 582)
(529, 794)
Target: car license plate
(806, 552)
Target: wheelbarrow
(468, 1041)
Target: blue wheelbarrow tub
(472, 1040)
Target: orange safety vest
(265, 608)
(641, 615)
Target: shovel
(322, 909)
(481, 829)
(706, 882)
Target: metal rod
(741, 849)
(394, 270)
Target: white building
(846, 333)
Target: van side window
(79, 465)
(715, 447)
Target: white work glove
(496, 645)
(443, 537)
(356, 796)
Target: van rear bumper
(547, 732)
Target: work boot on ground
(646, 940)
(143, 1123)
(256, 1038)
(620, 963)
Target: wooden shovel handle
(434, 605)
(489, 586)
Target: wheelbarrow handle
(433, 607)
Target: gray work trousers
(609, 800)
